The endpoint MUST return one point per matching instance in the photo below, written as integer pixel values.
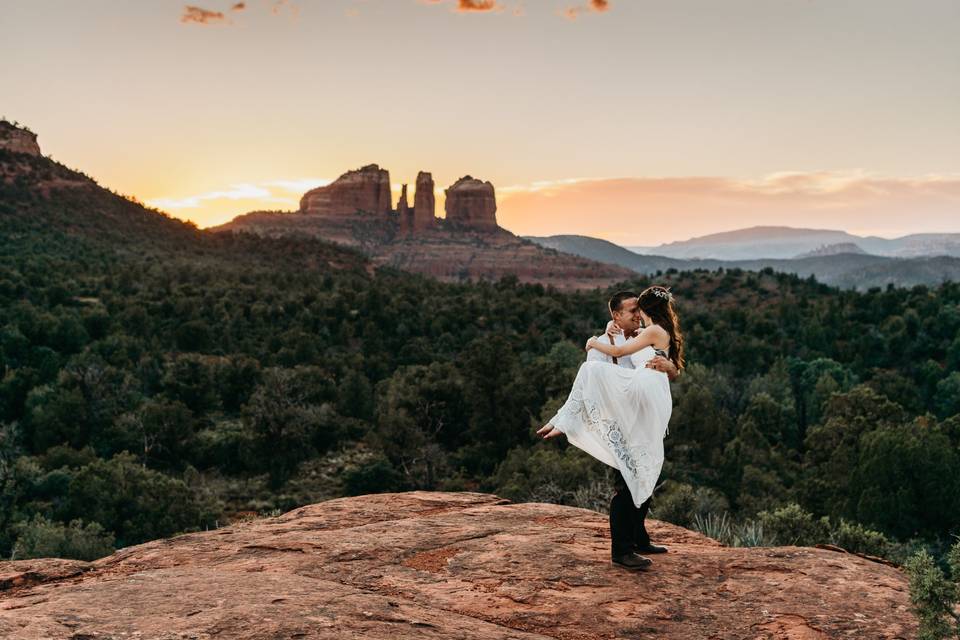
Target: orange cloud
(240, 6)
(199, 15)
(649, 211)
(476, 5)
(571, 13)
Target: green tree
(283, 421)
(833, 448)
(420, 420)
(934, 596)
(135, 503)
(906, 478)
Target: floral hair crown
(662, 292)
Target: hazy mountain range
(841, 264)
(788, 242)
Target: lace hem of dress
(634, 459)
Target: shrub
(853, 536)
(679, 503)
(375, 476)
(42, 538)
(675, 504)
(793, 525)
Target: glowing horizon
(591, 118)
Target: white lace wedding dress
(620, 416)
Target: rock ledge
(449, 565)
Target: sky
(635, 121)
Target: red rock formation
(404, 213)
(471, 203)
(424, 204)
(424, 565)
(366, 189)
(18, 139)
(402, 207)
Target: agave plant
(750, 534)
(716, 526)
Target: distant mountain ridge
(849, 270)
(788, 242)
(833, 250)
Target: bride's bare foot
(549, 431)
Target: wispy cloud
(298, 185)
(235, 192)
(648, 211)
(200, 15)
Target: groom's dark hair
(616, 301)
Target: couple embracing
(619, 408)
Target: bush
(137, 504)
(375, 476)
(42, 538)
(855, 537)
(548, 474)
(675, 504)
(679, 503)
(792, 525)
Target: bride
(620, 416)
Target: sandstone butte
(355, 210)
(449, 565)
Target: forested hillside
(159, 379)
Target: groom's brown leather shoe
(632, 561)
(650, 548)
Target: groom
(628, 532)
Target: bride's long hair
(657, 302)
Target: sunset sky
(632, 120)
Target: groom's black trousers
(627, 526)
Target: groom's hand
(663, 364)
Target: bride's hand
(549, 431)
(613, 328)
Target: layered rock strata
(362, 190)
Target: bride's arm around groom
(613, 337)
